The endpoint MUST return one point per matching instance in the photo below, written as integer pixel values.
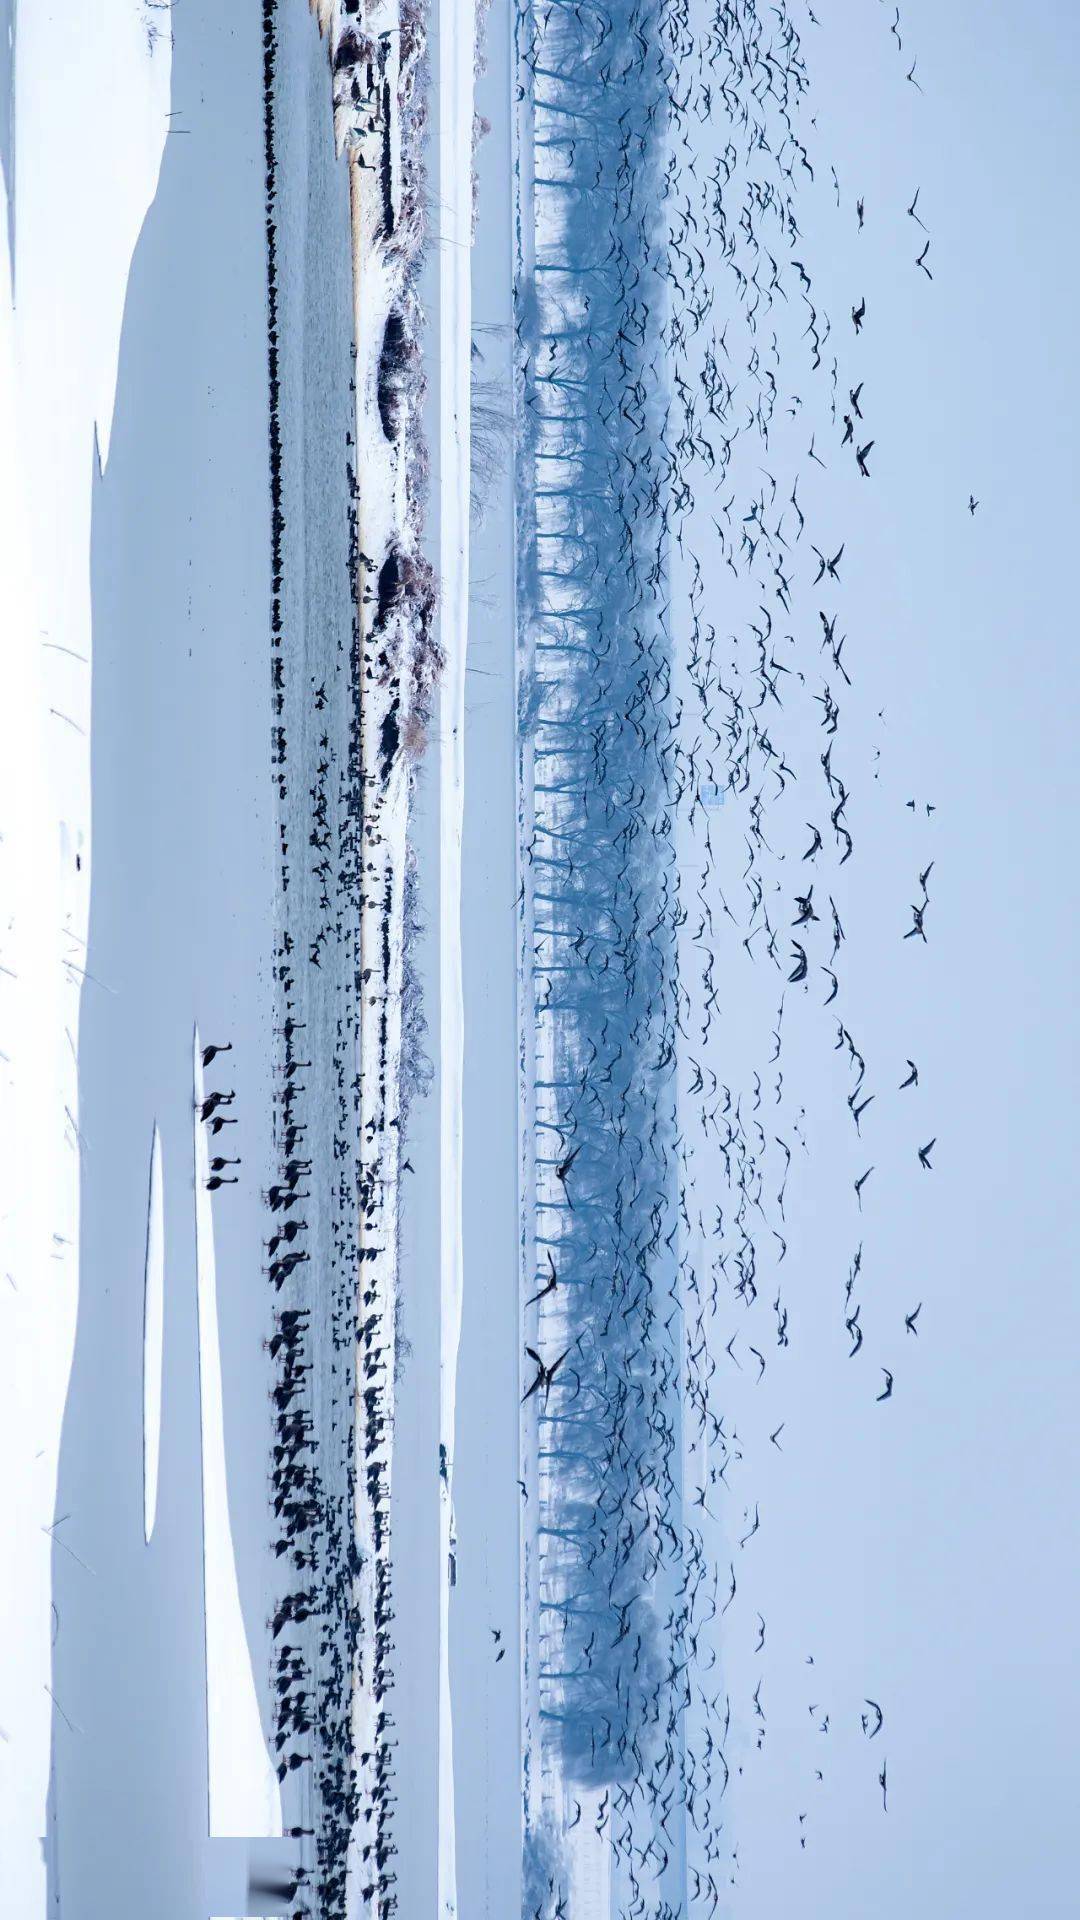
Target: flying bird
(912, 1079)
(878, 1722)
(912, 212)
(860, 1184)
(550, 1285)
(565, 1165)
(924, 1154)
(858, 314)
(886, 1393)
(921, 261)
(860, 459)
(972, 504)
(910, 1319)
(545, 1375)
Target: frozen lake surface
(153, 1336)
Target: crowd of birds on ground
(674, 347)
(332, 1343)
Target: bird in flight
(912, 212)
(924, 1154)
(860, 208)
(545, 1375)
(860, 1184)
(912, 1079)
(972, 504)
(878, 1723)
(860, 459)
(549, 1287)
(911, 75)
(921, 261)
(883, 1784)
(886, 1392)
(853, 396)
(565, 1165)
(910, 1319)
(858, 314)
(775, 1437)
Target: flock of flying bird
(638, 744)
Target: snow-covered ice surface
(58, 359)
(456, 59)
(355, 644)
(243, 1794)
(153, 1335)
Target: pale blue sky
(925, 1552)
